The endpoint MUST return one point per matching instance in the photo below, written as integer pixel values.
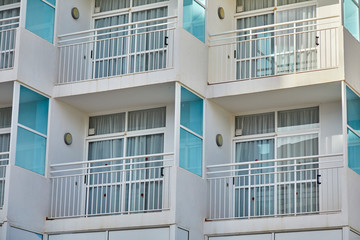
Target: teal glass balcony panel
(33, 110)
(351, 17)
(194, 19)
(353, 109)
(353, 151)
(40, 18)
(190, 152)
(191, 115)
(30, 151)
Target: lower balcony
(126, 185)
(272, 188)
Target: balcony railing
(126, 185)
(285, 48)
(291, 186)
(8, 28)
(117, 50)
(4, 161)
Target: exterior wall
(352, 57)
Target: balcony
(127, 185)
(8, 28)
(4, 161)
(119, 50)
(272, 188)
(273, 50)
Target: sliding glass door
(288, 185)
(275, 50)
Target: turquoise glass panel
(351, 18)
(353, 110)
(191, 115)
(40, 19)
(353, 151)
(194, 19)
(30, 151)
(33, 110)
(190, 152)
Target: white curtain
(259, 47)
(144, 2)
(109, 5)
(305, 42)
(147, 119)
(106, 124)
(249, 5)
(298, 119)
(109, 56)
(256, 124)
(145, 195)
(5, 117)
(261, 197)
(285, 2)
(146, 39)
(105, 199)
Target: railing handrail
(274, 160)
(115, 165)
(4, 153)
(111, 159)
(117, 26)
(111, 33)
(222, 42)
(271, 26)
(9, 19)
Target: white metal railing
(8, 28)
(117, 50)
(284, 48)
(124, 185)
(291, 186)
(4, 161)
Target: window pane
(109, 5)
(351, 18)
(190, 152)
(194, 19)
(285, 2)
(33, 110)
(255, 124)
(298, 119)
(4, 145)
(353, 109)
(5, 117)
(249, 5)
(40, 19)
(30, 151)
(5, 2)
(147, 119)
(191, 115)
(105, 124)
(254, 151)
(353, 151)
(298, 146)
(144, 2)
(106, 149)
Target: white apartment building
(179, 119)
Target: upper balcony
(119, 50)
(8, 30)
(275, 49)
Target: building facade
(179, 119)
